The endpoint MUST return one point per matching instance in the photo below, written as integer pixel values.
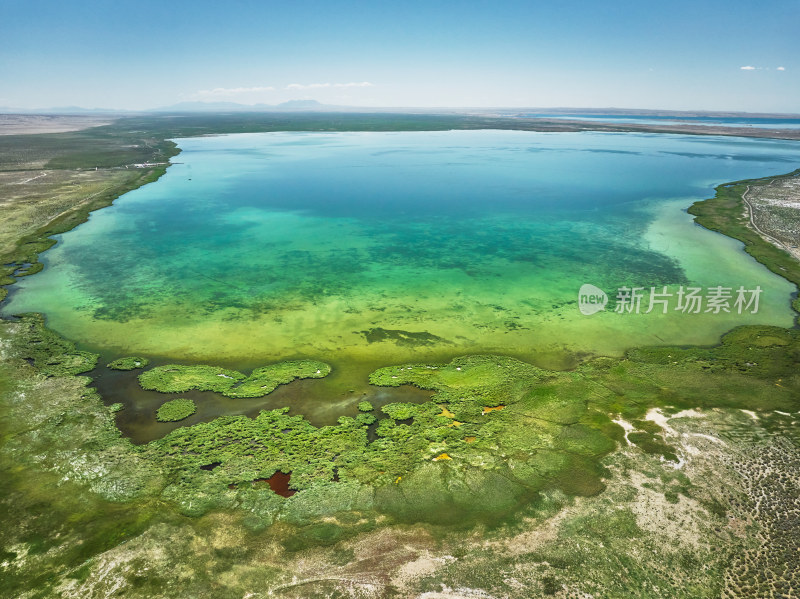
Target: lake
(366, 249)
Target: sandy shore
(26, 124)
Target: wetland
(385, 361)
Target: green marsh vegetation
(175, 378)
(552, 432)
(554, 437)
(175, 410)
(51, 354)
(129, 363)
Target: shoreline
(30, 246)
(72, 155)
(724, 213)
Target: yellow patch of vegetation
(441, 457)
(487, 409)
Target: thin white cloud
(750, 68)
(227, 92)
(323, 85)
(309, 86)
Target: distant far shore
(203, 123)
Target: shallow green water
(260, 247)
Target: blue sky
(144, 54)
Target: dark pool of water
(320, 402)
(279, 483)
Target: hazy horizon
(207, 107)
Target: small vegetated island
(674, 465)
(129, 363)
(177, 379)
(175, 410)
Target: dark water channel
(314, 399)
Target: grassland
(774, 210)
(668, 473)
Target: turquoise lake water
(385, 247)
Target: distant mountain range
(315, 106)
(291, 105)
